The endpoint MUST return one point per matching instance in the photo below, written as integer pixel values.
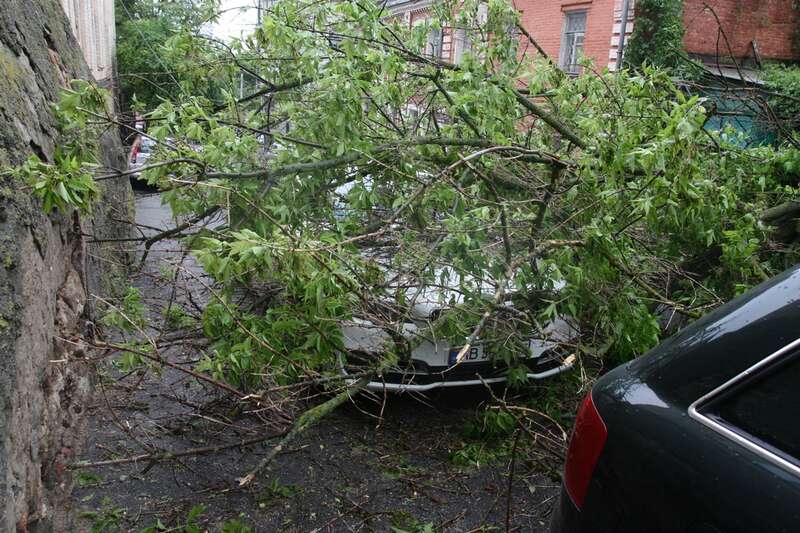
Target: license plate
(475, 354)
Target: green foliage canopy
(783, 82)
(657, 37)
(147, 66)
(359, 169)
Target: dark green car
(700, 435)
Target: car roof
(724, 343)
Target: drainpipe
(623, 28)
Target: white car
(433, 363)
(146, 149)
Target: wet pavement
(375, 464)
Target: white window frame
(572, 43)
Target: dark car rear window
(765, 408)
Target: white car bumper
(380, 386)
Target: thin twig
(165, 456)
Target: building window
(433, 39)
(462, 44)
(433, 47)
(572, 41)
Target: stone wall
(48, 270)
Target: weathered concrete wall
(47, 272)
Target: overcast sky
(237, 16)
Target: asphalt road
(375, 464)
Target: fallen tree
(359, 170)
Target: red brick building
(442, 44)
(566, 29)
(556, 25)
(756, 29)
(570, 29)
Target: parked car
(146, 148)
(433, 361)
(700, 435)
